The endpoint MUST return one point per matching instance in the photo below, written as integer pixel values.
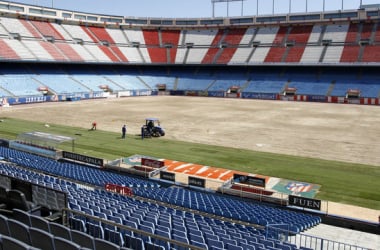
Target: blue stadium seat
(60, 230)
(134, 242)
(14, 244)
(4, 229)
(103, 244)
(19, 231)
(41, 239)
(95, 230)
(215, 244)
(77, 224)
(22, 216)
(83, 239)
(248, 246)
(233, 247)
(61, 243)
(39, 222)
(178, 223)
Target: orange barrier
(195, 170)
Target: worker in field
(93, 125)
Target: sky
(196, 8)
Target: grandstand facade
(324, 56)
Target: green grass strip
(349, 183)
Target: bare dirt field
(340, 132)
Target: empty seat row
(232, 208)
(151, 218)
(179, 221)
(14, 198)
(77, 172)
(48, 235)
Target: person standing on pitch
(123, 131)
(93, 125)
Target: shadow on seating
(3, 197)
(41, 239)
(83, 239)
(16, 199)
(14, 244)
(61, 243)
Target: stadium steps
(221, 49)
(183, 41)
(285, 55)
(79, 82)
(175, 84)
(323, 30)
(143, 82)
(186, 55)
(285, 86)
(159, 34)
(250, 54)
(331, 88)
(90, 52)
(3, 27)
(217, 55)
(53, 50)
(168, 54)
(212, 83)
(51, 91)
(246, 84)
(97, 38)
(361, 52)
(209, 57)
(323, 54)
(111, 80)
(6, 91)
(141, 55)
(286, 36)
(253, 36)
(373, 34)
(359, 33)
(31, 28)
(28, 49)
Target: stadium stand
(335, 53)
(312, 44)
(117, 211)
(91, 202)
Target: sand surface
(341, 132)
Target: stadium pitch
(331, 145)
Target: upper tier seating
(336, 32)
(198, 37)
(266, 35)
(47, 29)
(15, 26)
(263, 44)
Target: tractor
(152, 128)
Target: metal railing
(282, 233)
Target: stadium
(270, 130)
